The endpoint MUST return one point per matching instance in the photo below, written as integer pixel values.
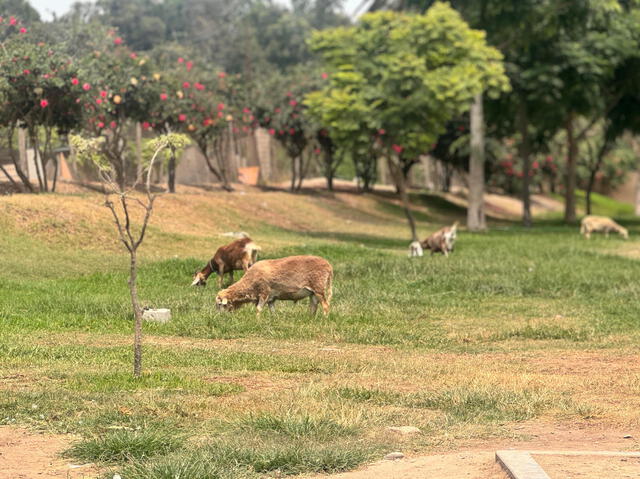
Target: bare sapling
(124, 202)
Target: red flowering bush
(36, 93)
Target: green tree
(401, 78)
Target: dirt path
(27, 455)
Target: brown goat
(236, 256)
(291, 278)
(442, 241)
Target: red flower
(182, 117)
(245, 129)
(535, 165)
(180, 60)
(26, 72)
(44, 103)
(293, 102)
(246, 110)
(317, 151)
(86, 87)
(289, 94)
(220, 106)
(186, 85)
(220, 114)
(103, 94)
(382, 131)
(207, 122)
(1, 19)
(117, 41)
(98, 100)
(133, 55)
(292, 131)
(222, 75)
(12, 20)
(75, 81)
(23, 30)
(189, 66)
(280, 132)
(397, 148)
(325, 76)
(272, 131)
(113, 125)
(100, 125)
(277, 110)
(145, 125)
(163, 96)
(198, 86)
(46, 76)
(549, 159)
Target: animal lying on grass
(591, 224)
(291, 278)
(236, 256)
(442, 241)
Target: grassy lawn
(516, 325)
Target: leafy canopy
(402, 77)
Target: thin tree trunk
(525, 154)
(172, 172)
(476, 220)
(602, 152)
(137, 339)
(6, 173)
(139, 166)
(401, 185)
(16, 161)
(570, 178)
(294, 162)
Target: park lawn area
(515, 326)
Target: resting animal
(442, 241)
(291, 278)
(236, 256)
(591, 224)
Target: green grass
(446, 344)
(123, 446)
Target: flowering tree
(36, 93)
(405, 77)
(110, 82)
(282, 111)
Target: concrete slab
(520, 465)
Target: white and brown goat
(236, 256)
(291, 278)
(591, 224)
(442, 241)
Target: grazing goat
(442, 241)
(236, 256)
(291, 278)
(591, 224)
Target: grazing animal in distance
(236, 256)
(591, 224)
(415, 249)
(291, 278)
(443, 240)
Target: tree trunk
(570, 175)
(172, 172)
(294, 162)
(525, 154)
(16, 160)
(476, 220)
(9, 177)
(401, 186)
(137, 339)
(602, 152)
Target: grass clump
(298, 427)
(121, 446)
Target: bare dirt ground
(27, 455)
(589, 467)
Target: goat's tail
(329, 288)
(252, 249)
